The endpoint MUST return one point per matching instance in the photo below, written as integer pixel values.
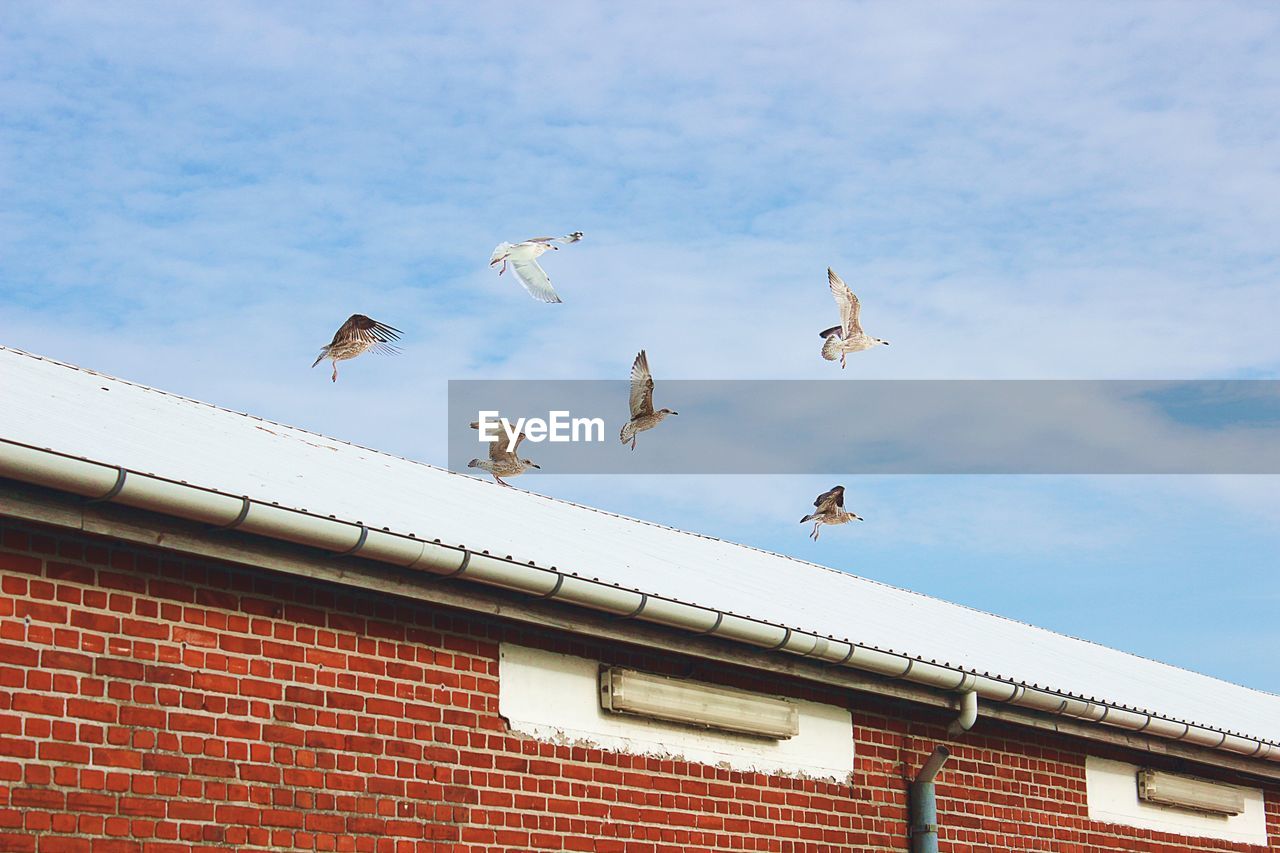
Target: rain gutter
(107, 483)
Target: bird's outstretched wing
(367, 330)
(641, 387)
(535, 280)
(566, 239)
(503, 448)
(833, 499)
(848, 304)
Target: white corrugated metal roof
(84, 414)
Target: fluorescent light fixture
(627, 691)
(1184, 792)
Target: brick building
(221, 633)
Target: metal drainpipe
(924, 804)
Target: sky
(195, 196)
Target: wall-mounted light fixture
(1185, 792)
(627, 691)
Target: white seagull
(523, 258)
(848, 336)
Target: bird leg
(633, 442)
(334, 378)
(504, 267)
(842, 355)
(500, 482)
(815, 531)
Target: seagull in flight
(523, 258)
(357, 336)
(830, 510)
(848, 337)
(643, 416)
(503, 461)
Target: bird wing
(848, 304)
(829, 500)
(502, 448)
(535, 280)
(641, 387)
(566, 239)
(367, 330)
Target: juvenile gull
(523, 260)
(358, 335)
(643, 416)
(848, 336)
(503, 461)
(830, 510)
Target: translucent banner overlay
(882, 426)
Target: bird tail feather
(808, 517)
(320, 357)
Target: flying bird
(643, 416)
(356, 336)
(848, 336)
(830, 510)
(503, 461)
(523, 258)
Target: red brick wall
(149, 703)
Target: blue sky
(194, 197)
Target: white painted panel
(1112, 790)
(556, 697)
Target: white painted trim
(1112, 791)
(555, 697)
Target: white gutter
(99, 482)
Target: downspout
(924, 804)
(968, 714)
